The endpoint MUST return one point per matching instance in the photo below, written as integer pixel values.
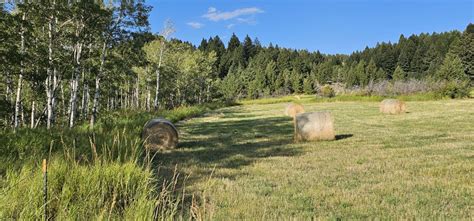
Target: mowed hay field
(244, 165)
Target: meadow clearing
(244, 165)
(240, 162)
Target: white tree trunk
(157, 91)
(147, 100)
(56, 84)
(32, 116)
(49, 79)
(22, 113)
(86, 102)
(20, 77)
(137, 93)
(74, 84)
(18, 99)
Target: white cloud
(195, 25)
(229, 26)
(211, 10)
(250, 20)
(214, 15)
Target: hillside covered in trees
(67, 62)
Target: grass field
(240, 163)
(243, 163)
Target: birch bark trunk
(20, 77)
(32, 116)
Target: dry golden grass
(415, 165)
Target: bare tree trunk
(49, 79)
(127, 91)
(121, 98)
(86, 104)
(72, 101)
(74, 84)
(83, 101)
(157, 92)
(137, 93)
(112, 102)
(147, 100)
(22, 114)
(95, 105)
(20, 77)
(32, 116)
(18, 99)
(63, 98)
(49, 94)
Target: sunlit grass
(240, 163)
(419, 164)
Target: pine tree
(407, 52)
(308, 86)
(203, 45)
(296, 81)
(371, 71)
(466, 53)
(452, 69)
(399, 74)
(249, 48)
(234, 43)
(360, 73)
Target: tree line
(250, 70)
(67, 62)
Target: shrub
(327, 91)
(454, 89)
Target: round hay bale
(160, 134)
(314, 126)
(293, 109)
(392, 106)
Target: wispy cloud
(214, 15)
(249, 21)
(195, 25)
(229, 26)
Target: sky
(330, 26)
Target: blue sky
(331, 26)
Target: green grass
(240, 163)
(415, 165)
(93, 174)
(345, 97)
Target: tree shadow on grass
(343, 136)
(228, 144)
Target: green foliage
(451, 69)
(308, 86)
(454, 89)
(398, 74)
(231, 86)
(466, 53)
(296, 81)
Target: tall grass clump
(98, 174)
(117, 181)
